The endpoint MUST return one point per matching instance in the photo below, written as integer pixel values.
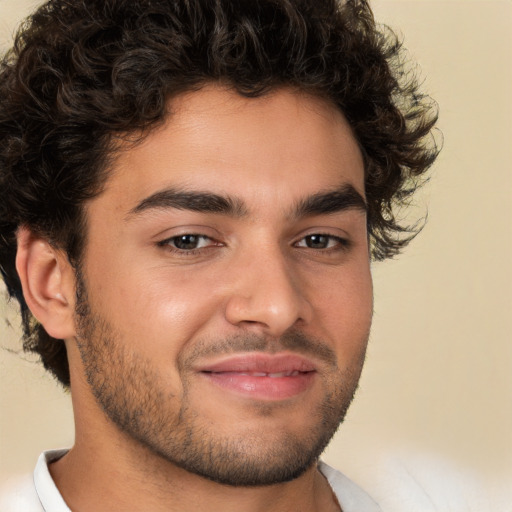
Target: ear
(48, 283)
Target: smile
(275, 375)
(262, 376)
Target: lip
(268, 377)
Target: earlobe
(47, 280)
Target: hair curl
(82, 72)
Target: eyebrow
(197, 201)
(331, 201)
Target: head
(92, 90)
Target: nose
(267, 295)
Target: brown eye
(321, 241)
(186, 242)
(324, 244)
(317, 241)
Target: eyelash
(341, 244)
(166, 244)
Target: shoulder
(350, 496)
(36, 492)
(411, 480)
(19, 494)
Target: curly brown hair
(82, 72)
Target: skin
(152, 314)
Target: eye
(187, 242)
(321, 241)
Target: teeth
(276, 375)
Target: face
(225, 294)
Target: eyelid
(166, 242)
(330, 231)
(342, 242)
(187, 229)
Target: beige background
(432, 423)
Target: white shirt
(38, 492)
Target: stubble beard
(134, 397)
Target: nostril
(270, 303)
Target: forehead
(280, 145)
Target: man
(191, 195)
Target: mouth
(267, 377)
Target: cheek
(155, 306)
(345, 308)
